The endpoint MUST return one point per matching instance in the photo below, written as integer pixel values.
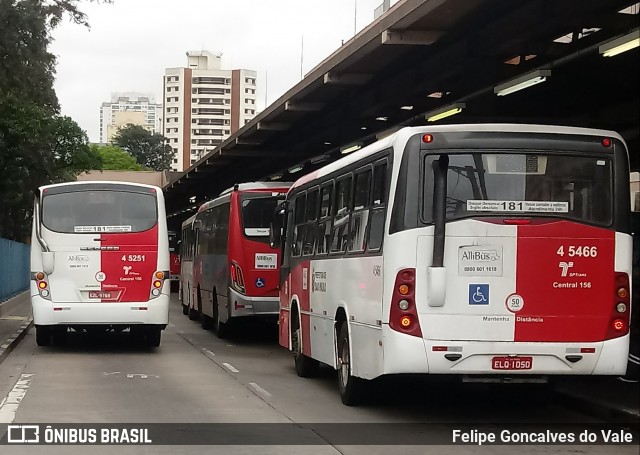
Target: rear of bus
(253, 264)
(523, 252)
(100, 260)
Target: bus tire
(206, 322)
(221, 328)
(353, 391)
(59, 335)
(43, 335)
(185, 308)
(153, 336)
(192, 313)
(306, 367)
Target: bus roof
(188, 221)
(405, 133)
(257, 186)
(280, 187)
(100, 182)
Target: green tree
(149, 150)
(37, 145)
(116, 159)
(71, 151)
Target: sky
(131, 42)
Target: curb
(13, 340)
(598, 409)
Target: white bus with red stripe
(187, 254)
(99, 260)
(483, 251)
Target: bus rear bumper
(46, 312)
(503, 358)
(242, 305)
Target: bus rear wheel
(43, 335)
(59, 335)
(192, 313)
(221, 328)
(306, 367)
(153, 336)
(185, 308)
(353, 391)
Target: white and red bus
(187, 252)
(99, 260)
(174, 258)
(482, 251)
(235, 270)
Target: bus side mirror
(275, 227)
(48, 262)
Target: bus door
(526, 255)
(105, 244)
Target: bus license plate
(106, 295)
(511, 363)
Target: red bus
(235, 271)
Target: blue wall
(14, 268)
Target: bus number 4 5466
(580, 251)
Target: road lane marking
(9, 405)
(231, 368)
(260, 391)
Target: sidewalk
(15, 320)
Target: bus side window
(324, 223)
(340, 234)
(310, 230)
(361, 209)
(298, 220)
(379, 193)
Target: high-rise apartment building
(203, 105)
(137, 108)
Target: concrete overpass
(423, 56)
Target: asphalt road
(194, 377)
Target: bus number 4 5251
(133, 257)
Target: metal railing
(14, 268)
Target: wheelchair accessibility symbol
(478, 294)
(260, 283)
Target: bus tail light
(403, 316)
(42, 283)
(157, 282)
(237, 278)
(620, 314)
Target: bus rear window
(99, 211)
(257, 213)
(575, 187)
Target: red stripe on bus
(564, 274)
(130, 269)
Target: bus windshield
(257, 213)
(93, 211)
(575, 187)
